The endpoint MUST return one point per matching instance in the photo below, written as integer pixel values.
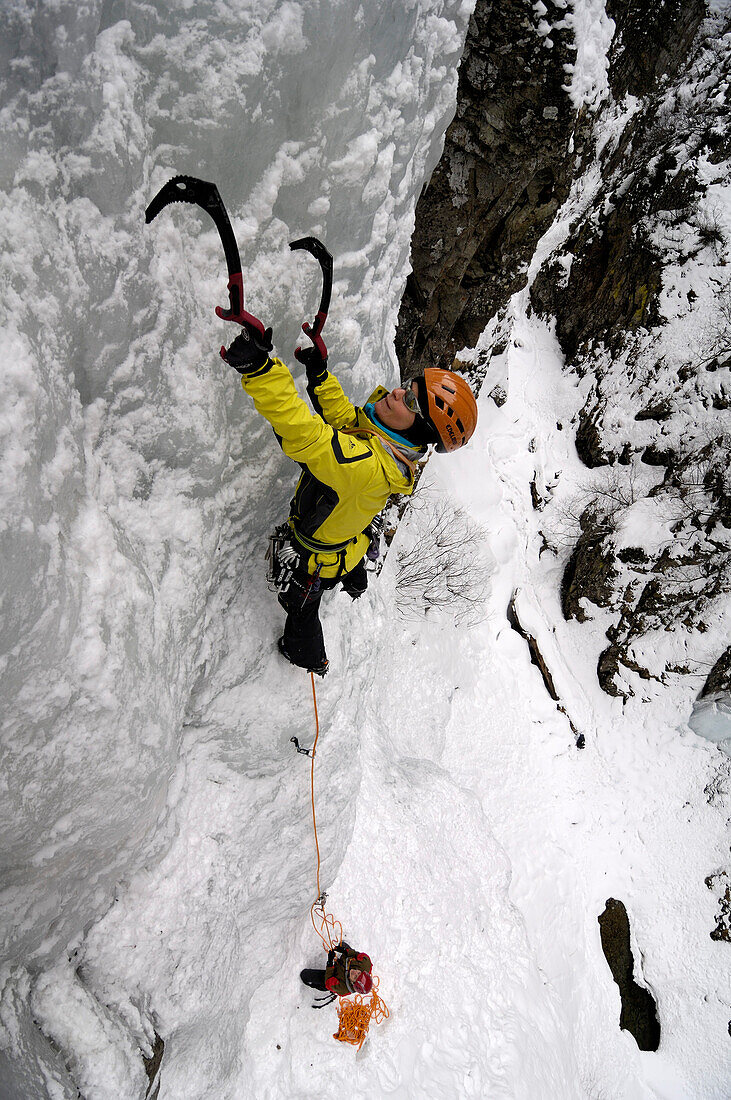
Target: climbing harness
(316, 546)
(284, 558)
(356, 1014)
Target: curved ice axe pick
(203, 194)
(317, 249)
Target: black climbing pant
(315, 979)
(302, 641)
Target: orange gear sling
(354, 1016)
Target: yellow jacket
(346, 478)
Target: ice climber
(347, 971)
(352, 460)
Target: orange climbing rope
(312, 778)
(354, 1016)
(330, 930)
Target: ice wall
(128, 461)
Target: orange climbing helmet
(446, 399)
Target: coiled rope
(354, 1016)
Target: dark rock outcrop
(153, 1064)
(541, 664)
(590, 572)
(611, 289)
(503, 174)
(536, 656)
(719, 678)
(650, 41)
(604, 294)
(719, 884)
(672, 588)
(639, 1011)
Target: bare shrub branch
(446, 570)
(716, 341)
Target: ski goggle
(411, 401)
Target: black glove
(315, 364)
(249, 351)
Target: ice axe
(317, 249)
(203, 194)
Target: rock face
(622, 289)
(671, 584)
(622, 295)
(719, 884)
(719, 678)
(591, 571)
(613, 283)
(616, 273)
(639, 1011)
(152, 1066)
(650, 42)
(503, 174)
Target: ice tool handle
(204, 194)
(317, 249)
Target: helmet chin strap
(401, 439)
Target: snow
(711, 718)
(158, 862)
(593, 31)
(103, 1053)
(600, 843)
